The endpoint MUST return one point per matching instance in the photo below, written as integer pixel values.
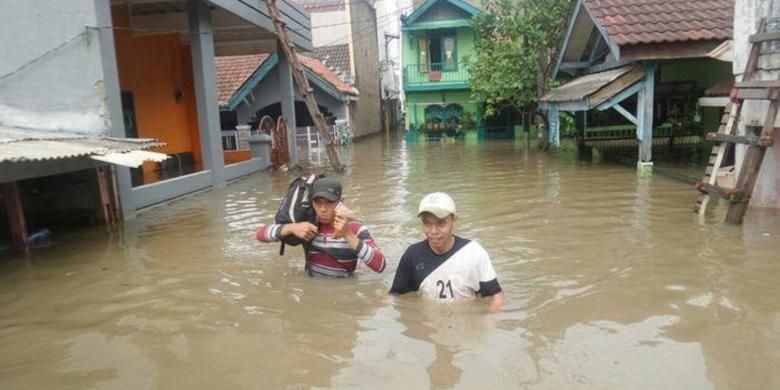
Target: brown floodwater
(611, 283)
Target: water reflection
(611, 282)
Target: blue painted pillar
(287, 100)
(645, 117)
(114, 103)
(205, 80)
(555, 124)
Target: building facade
(436, 38)
(134, 68)
(353, 23)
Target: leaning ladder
(748, 89)
(303, 84)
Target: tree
(515, 46)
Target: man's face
(325, 209)
(438, 231)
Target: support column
(554, 120)
(124, 184)
(106, 212)
(645, 101)
(12, 202)
(203, 74)
(584, 152)
(287, 98)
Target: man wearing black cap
(336, 242)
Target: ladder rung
(740, 139)
(756, 93)
(732, 195)
(763, 37)
(758, 84)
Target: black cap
(326, 187)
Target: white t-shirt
(461, 273)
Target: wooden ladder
(748, 89)
(303, 84)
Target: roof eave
(417, 13)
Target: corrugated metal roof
(132, 159)
(581, 87)
(27, 145)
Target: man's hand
(303, 230)
(340, 228)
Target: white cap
(438, 204)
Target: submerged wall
(746, 15)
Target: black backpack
(296, 207)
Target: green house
(436, 38)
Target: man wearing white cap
(444, 266)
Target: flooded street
(611, 281)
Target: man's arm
(488, 282)
(496, 302)
(359, 239)
(403, 282)
(275, 232)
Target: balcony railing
(435, 74)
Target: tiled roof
(335, 57)
(632, 22)
(233, 71)
(321, 70)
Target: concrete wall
(746, 15)
(330, 28)
(367, 113)
(51, 74)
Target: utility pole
(303, 85)
(387, 63)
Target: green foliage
(514, 47)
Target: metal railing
(435, 73)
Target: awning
(19, 145)
(132, 159)
(589, 91)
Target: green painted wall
(417, 101)
(464, 43)
(706, 72)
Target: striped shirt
(329, 256)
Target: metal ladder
(748, 89)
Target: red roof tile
(632, 22)
(321, 70)
(336, 58)
(233, 72)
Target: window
(438, 53)
(448, 54)
(422, 45)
